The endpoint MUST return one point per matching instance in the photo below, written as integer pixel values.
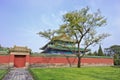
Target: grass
(2, 73)
(86, 73)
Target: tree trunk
(79, 58)
(79, 62)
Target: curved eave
(67, 49)
(20, 51)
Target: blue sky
(20, 20)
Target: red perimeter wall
(4, 59)
(65, 60)
(59, 60)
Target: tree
(115, 48)
(95, 53)
(114, 51)
(49, 34)
(90, 54)
(81, 26)
(100, 52)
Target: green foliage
(95, 53)
(90, 54)
(49, 34)
(115, 51)
(116, 59)
(3, 50)
(100, 52)
(89, 73)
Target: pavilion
(61, 44)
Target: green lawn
(86, 73)
(2, 73)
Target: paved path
(18, 74)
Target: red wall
(65, 60)
(97, 60)
(4, 59)
(51, 60)
(57, 60)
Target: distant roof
(4, 50)
(63, 37)
(19, 49)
